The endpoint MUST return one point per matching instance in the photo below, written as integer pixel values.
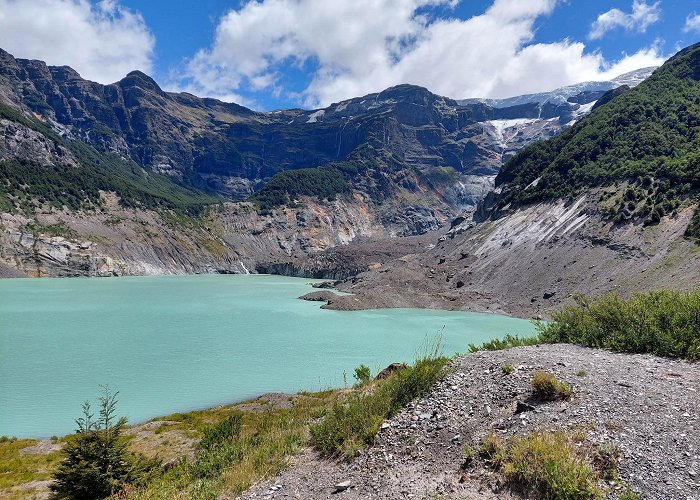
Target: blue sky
(271, 54)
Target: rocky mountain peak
(408, 93)
(141, 80)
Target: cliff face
(309, 241)
(230, 149)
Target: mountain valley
(399, 163)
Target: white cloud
(642, 16)
(357, 47)
(692, 23)
(103, 42)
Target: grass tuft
(352, 423)
(546, 387)
(548, 463)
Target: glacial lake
(178, 343)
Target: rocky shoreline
(643, 406)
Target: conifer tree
(96, 463)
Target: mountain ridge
(226, 148)
(410, 160)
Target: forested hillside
(644, 143)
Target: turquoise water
(177, 343)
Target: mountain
(396, 163)
(643, 141)
(231, 150)
(609, 204)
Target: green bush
(547, 463)
(225, 431)
(664, 323)
(97, 463)
(505, 343)
(362, 374)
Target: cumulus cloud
(642, 16)
(103, 41)
(692, 24)
(354, 47)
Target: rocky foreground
(644, 405)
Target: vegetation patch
(664, 323)
(352, 423)
(505, 343)
(18, 468)
(237, 448)
(283, 188)
(58, 229)
(546, 387)
(548, 465)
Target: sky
(273, 54)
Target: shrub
(547, 388)
(505, 343)
(362, 374)
(96, 462)
(507, 369)
(663, 323)
(224, 432)
(547, 463)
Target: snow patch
(584, 109)
(313, 117)
(506, 130)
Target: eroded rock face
(18, 142)
(532, 260)
(319, 240)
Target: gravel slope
(647, 406)
(528, 263)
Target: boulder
(389, 370)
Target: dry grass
(266, 441)
(546, 387)
(17, 469)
